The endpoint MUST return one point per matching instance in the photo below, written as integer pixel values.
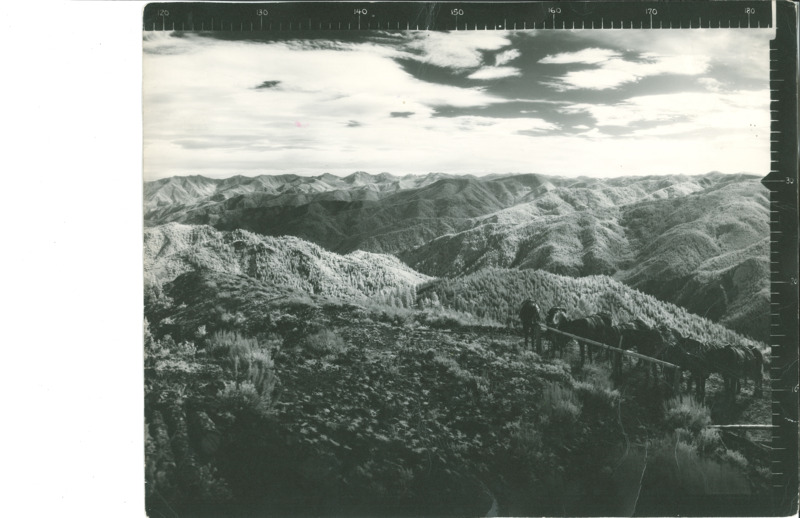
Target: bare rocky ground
(313, 407)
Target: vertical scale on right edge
(782, 181)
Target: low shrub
(390, 314)
(736, 459)
(261, 373)
(526, 442)
(239, 397)
(686, 413)
(597, 399)
(452, 367)
(326, 341)
(236, 350)
(708, 441)
(676, 468)
(247, 360)
(597, 375)
(559, 405)
(446, 318)
(223, 343)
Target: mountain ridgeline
(699, 242)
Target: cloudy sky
(582, 102)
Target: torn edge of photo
(471, 258)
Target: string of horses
(658, 345)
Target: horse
(698, 366)
(689, 355)
(733, 362)
(593, 327)
(610, 334)
(556, 316)
(530, 315)
(638, 335)
(626, 334)
(748, 362)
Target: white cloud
(455, 50)
(204, 114)
(744, 52)
(495, 73)
(684, 112)
(711, 84)
(612, 70)
(589, 56)
(506, 57)
(198, 107)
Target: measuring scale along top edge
(454, 16)
(781, 180)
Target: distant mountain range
(187, 190)
(697, 241)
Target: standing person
(531, 316)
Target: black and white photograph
(513, 270)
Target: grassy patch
(686, 413)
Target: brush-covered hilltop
(178, 256)
(288, 264)
(700, 242)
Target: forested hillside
(291, 266)
(498, 294)
(707, 252)
(286, 262)
(700, 242)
